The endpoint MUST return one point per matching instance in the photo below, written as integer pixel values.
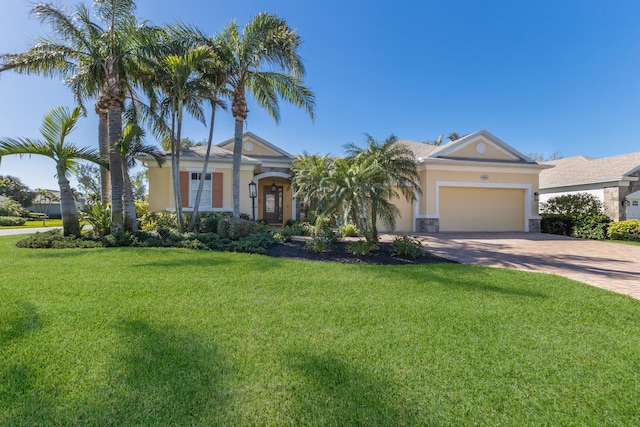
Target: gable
(254, 146)
(481, 146)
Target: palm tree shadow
(17, 319)
(342, 394)
(170, 376)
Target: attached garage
(481, 209)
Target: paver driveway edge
(607, 265)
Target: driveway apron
(607, 265)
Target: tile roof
(217, 153)
(420, 149)
(582, 169)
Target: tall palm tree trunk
(130, 220)
(68, 210)
(237, 155)
(102, 110)
(192, 224)
(115, 167)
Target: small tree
(46, 199)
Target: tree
(46, 198)
(263, 59)
(387, 170)
(453, 136)
(12, 187)
(56, 126)
(541, 157)
(89, 180)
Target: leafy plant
(406, 246)
(99, 217)
(349, 230)
(625, 230)
(10, 207)
(236, 228)
(162, 219)
(12, 220)
(54, 239)
(573, 205)
(592, 227)
(317, 245)
(361, 247)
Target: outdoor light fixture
(253, 193)
(536, 196)
(273, 187)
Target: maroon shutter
(216, 189)
(184, 188)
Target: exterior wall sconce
(253, 193)
(536, 196)
(625, 202)
(273, 187)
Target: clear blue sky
(544, 76)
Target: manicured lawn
(36, 224)
(178, 337)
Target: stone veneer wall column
(427, 225)
(612, 203)
(534, 226)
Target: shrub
(255, 243)
(361, 247)
(54, 239)
(317, 245)
(118, 239)
(349, 230)
(208, 224)
(236, 228)
(556, 224)
(625, 230)
(142, 208)
(592, 227)
(573, 205)
(406, 246)
(12, 208)
(12, 220)
(162, 219)
(99, 217)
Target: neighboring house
(52, 207)
(476, 183)
(613, 180)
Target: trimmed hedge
(236, 228)
(12, 220)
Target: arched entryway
(276, 204)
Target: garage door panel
(481, 209)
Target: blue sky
(544, 76)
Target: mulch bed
(338, 253)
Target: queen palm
(263, 59)
(386, 170)
(56, 126)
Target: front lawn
(148, 336)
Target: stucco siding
(481, 209)
(469, 152)
(160, 189)
(404, 222)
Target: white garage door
(481, 209)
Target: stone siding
(427, 225)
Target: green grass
(151, 336)
(625, 242)
(35, 224)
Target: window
(205, 199)
(634, 203)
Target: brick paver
(607, 265)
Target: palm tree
(56, 126)
(385, 167)
(75, 55)
(178, 75)
(130, 146)
(313, 181)
(262, 59)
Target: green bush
(349, 230)
(255, 243)
(236, 228)
(118, 239)
(573, 205)
(99, 217)
(556, 224)
(625, 230)
(406, 246)
(361, 247)
(592, 227)
(12, 208)
(162, 219)
(317, 245)
(12, 220)
(55, 240)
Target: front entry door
(272, 206)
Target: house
(476, 183)
(613, 180)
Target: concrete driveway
(607, 265)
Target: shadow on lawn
(342, 394)
(17, 319)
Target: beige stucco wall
(481, 209)
(161, 187)
(404, 222)
(258, 148)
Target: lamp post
(253, 193)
